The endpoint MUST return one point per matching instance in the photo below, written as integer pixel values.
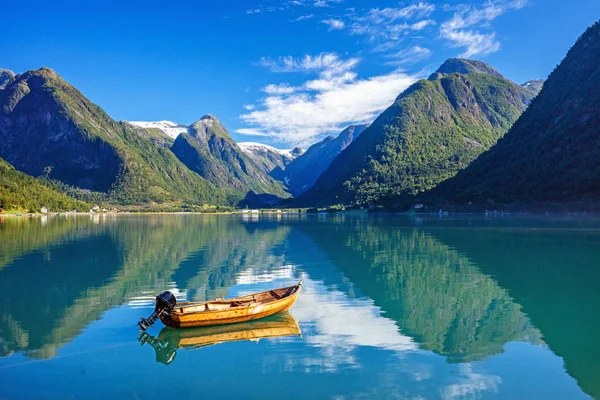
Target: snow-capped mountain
(259, 148)
(170, 128)
(269, 157)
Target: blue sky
(279, 72)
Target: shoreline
(350, 212)
(69, 213)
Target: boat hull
(182, 318)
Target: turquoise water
(391, 307)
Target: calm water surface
(392, 307)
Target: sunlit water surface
(391, 307)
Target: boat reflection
(170, 340)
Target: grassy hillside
(21, 192)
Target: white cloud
(291, 4)
(335, 99)
(474, 41)
(251, 132)
(388, 23)
(282, 88)
(417, 26)
(328, 63)
(409, 56)
(302, 18)
(334, 24)
(325, 3)
(419, 10)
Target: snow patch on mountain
(254, 148)
(170, 128)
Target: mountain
(169, 128)
(303, 172)
(535, 85)
(208, 149)
(154, 135)
(552, 153)
(21, 192)
(464, 67)
(269, 158)
(47, 127)
(435, 128)
(5, 76)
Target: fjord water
(391, 306)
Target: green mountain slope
(552, 153)
(434, 129)
(303, 172)
(208, 149)
(21, 192)
(47, 127)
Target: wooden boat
(221, 311)
(170, 340)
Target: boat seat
(274, 294)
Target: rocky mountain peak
(208, 126)
(5, 76)
(463, 66)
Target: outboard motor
(165, 302)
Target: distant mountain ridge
(303, 172)
(269, 157)
(48, 128)
(551, 154)
(435, 128)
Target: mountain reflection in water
(391, 306)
